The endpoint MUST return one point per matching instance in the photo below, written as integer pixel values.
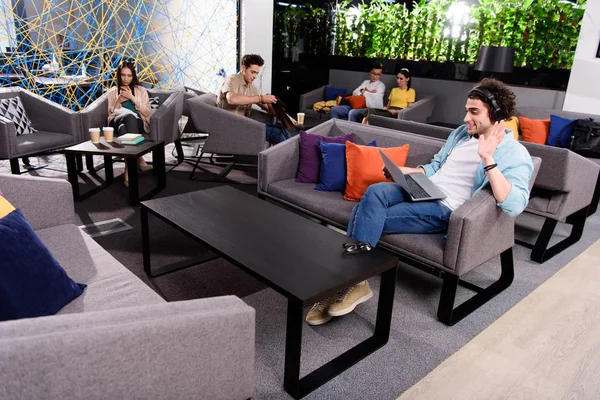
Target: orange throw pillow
(365, 167)
(534, 130)
(357, 101)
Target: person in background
(400, 97)
(372, 89)
(129, 108)
(237, 94)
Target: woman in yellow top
(399, 98)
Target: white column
(256, 18)
(583, 90)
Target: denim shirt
(513, 161)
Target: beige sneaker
(349, 298)
(318, 314)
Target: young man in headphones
(478, 153)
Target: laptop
(418, 186)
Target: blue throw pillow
(331, 93)
(557, 124)
(32, 283)
(333, 166)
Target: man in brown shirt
(237, 94)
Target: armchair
(57, 127)
(561, 193)
(164, 123)
(228, 133)
(420, 111)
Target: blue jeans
(346, 112)
(386, 208)
(276, 134)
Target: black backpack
(585, 139)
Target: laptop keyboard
(415, 189)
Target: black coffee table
(300, 259)
(113, 149)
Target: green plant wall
(544, 33)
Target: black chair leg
(540, 250)
(179, 150)
(449, 314)
(14, 166)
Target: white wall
(583, 91)
(257, 37)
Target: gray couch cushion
(333, 207)
(110, 284)
(42, 141)
(330, 205)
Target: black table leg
(299, 388)
(145, 241)
(293, 348)
(72, 174)
(79, 161)
(158, 166)
(134, 187)
(108, 170)
(89, 162)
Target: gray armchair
(228, 133)
(164, 123)
(57, 127)
(421, 110)
(561, 193)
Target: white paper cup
(95, 135)
(108, 132)
(300, 118)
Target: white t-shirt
(374, 100)
(457, 176)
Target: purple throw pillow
(310, 155)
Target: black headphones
(496, 113)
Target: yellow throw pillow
(5, 207)
(513, 125)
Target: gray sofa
(420, 111)
(478, 230)
(119, 339)
(561, 192)
(57, 127)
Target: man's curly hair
(505, 98)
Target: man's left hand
(487, 145)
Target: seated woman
(399, 98)
(129, 108)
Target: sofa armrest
(179, 350)
(229, 133)
(164, 121)
(308, 99)
(278, 163)
(478, 230)
(48, 116)
(45, 202)
(8, 138)
(420, 111)
(95, 115)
